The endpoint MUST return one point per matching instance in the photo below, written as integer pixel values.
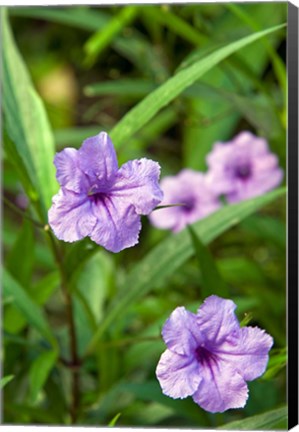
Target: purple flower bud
(243, 168)
(210, 357)
(99, 200)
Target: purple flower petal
(137, 181)
(98, 160)
(243, 168)
(68, 172)
(117, 226)
(216, 318)
(210, 354)
(181, 332)
(178, 375)
(249, 354)
(70, 216)
(98, 200)
(221, 388)
(191, 189)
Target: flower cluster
(238, 170)
(210, 357)
(99, 200)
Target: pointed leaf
(5, 380)
(149, 106)
(39, 372)
(26, 305)
(267, 420)
(26, 121)
(212, 282)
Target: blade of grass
(278, 64)
(176, 24)
(102, 38)
(149, 106)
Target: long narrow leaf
(26, 121)
(26, 305)
(101, 39)
(267, 420)
(166, 258)
(149, 106)
(212, 282)
(39, 372)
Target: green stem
(75, 362)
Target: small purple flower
(189, 188)
(99, 200)
(243, 168)
(210, 357)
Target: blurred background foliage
(90, 66)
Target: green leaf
(121, 87)
(78, 17)
(45, 287)
(278, 65)
(176, 24)
(26, 122)
(151, 391)
(212, 282)
(267, 420)
(149, 106)
(167, 256)
(238, 270)
(113, 422)
(102, 38)
(26, 305)
(21, 257)
(266, 228)
(278, 360)
(73, 137)
(39, 372)
(5, 380)
(237, 74)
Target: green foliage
(26, 123)
(30, 310)
(212, 282)
(82, 326)
(39, 372)
(5, 380)
(269, 420)
(169, 255)
(144, 111)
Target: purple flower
(210, 357)
(99, 200)
(189, 188)
(243, 168)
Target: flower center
(188, 205)
(96, 196)
(204, 356)
(243, 172)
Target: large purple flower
(190, 189)
(100, 200)
(243, 168)
(210, 357)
